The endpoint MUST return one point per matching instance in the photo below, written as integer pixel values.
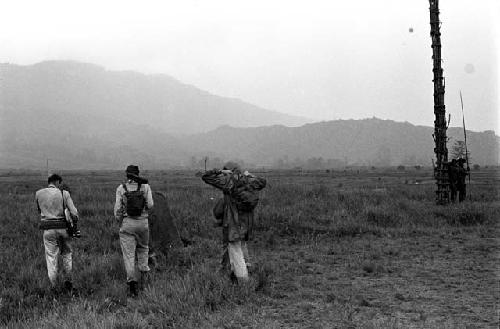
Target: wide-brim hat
(132, 171)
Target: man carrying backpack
(134, 201)
(52, 203)
(236, 225)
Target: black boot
(68, 286)
(233, 278)
(145, 279)
(133, 289)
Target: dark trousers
(461, 193)
(453, 193)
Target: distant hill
(363, 142)
(72, 141)
(155, 100)
(80, 116)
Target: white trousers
(237, 260)
(57, 244)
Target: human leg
(453, 193)
(246, 255)
(51, 254)
(142, 251)
(128, 246)
(461, 194)
(66, 252)
(225, 265)
(142, 248)
(237, 260)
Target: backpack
(246, 196)
(218, 210)
(135, 201)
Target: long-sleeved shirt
(120, 210)
(50, 203)
(51, 207)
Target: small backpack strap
(63, 203)
(138, 186)
(125, 187)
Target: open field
(340, 249)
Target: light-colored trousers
(57, 243)
(233, 259)
(237, 257)
(237, 260)
(134, 239)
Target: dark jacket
(453, 175)
(247, 218)
(461, 175)
(226, 181)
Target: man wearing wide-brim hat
(134, 201)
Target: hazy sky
(320, 59)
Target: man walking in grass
(51, 203)
(134, 201)
(237, 214)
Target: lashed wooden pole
(441, 151)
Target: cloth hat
(231, 165)
(132, 170)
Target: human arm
(118, 210)
(37, 204)
(220, 179)
(149, 198)
(69, 204)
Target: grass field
(340, 249)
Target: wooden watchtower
(440, 139)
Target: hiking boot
(69, 289)
(233, 278)
(145, 279)
(133, 289)
(68, 286)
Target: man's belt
(50, 224)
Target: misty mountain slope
(73, 141)
(82, 116)
(368, 142)
(155, 100)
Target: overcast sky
(319, 59)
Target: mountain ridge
(81, 117)
(154, 99)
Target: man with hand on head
(226, 180)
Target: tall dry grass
(187, 290)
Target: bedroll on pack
(135, 201)
(218, 211)
(246, 199)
